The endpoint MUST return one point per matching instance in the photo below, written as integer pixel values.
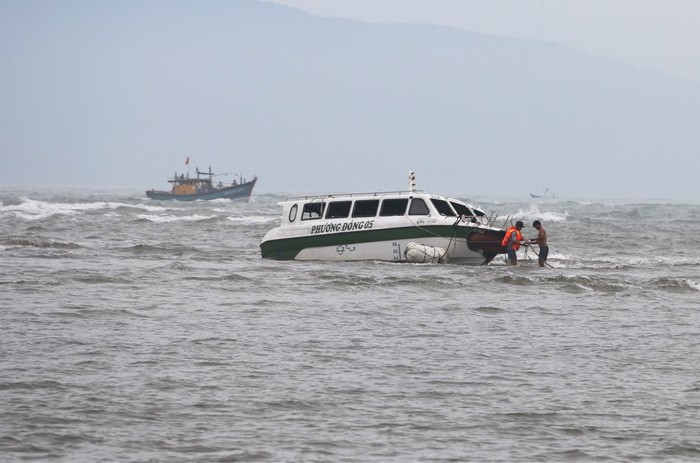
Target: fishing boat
(203, 186)
(547, 194)
(400, 226)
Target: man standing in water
(541, 241)
(512, 241)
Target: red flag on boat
(187, 161)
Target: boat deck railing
(351, 195)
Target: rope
(528, 256)
(454, 233)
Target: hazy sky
(119, 93)
(657, 34)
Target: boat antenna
(412, 182)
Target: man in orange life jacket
(512, 241)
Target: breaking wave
(533, 212)
(38, 242)
(255, 219)
(31, 209)
(174, 218)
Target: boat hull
(384, 244)
(242, 191)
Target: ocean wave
(604, 284)
(681, 451)
(516, 280)
(174, 218)
(167, 248)
(575, 284)
(349, 280)
(236, 277)
(38, 242)
(522, 276)
(31, 385)
(99, 279)
(429, 278)
(594, 260)
(675, 285)
(85, 311)
(31, 209)
(489, 309)
(148, 208)
(585, 283)
(533, 213)
(253, 219)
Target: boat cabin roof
(354, 195)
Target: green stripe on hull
(288, 248)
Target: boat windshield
(443, 207)
(462, 209)
(418, 207)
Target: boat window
(293, 213)
(365, 208)
(393, 207)
(442, 207)
(312, 211)
(462, 209)
(338, 209)
(418, 207)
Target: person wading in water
(512, 242)
(541, 241)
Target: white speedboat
(401, 226)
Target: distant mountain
(120, 93)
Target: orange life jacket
(518, 238)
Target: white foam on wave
(172, 218)
(253, 219)
(692, 284)
(31, 209)
(534, 213)
(148, 208)
(651, 260)
(592, 260)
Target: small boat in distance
(185, 188)
(547, 194)
(399, 226)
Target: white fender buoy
(422, 254)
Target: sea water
(141, 331)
